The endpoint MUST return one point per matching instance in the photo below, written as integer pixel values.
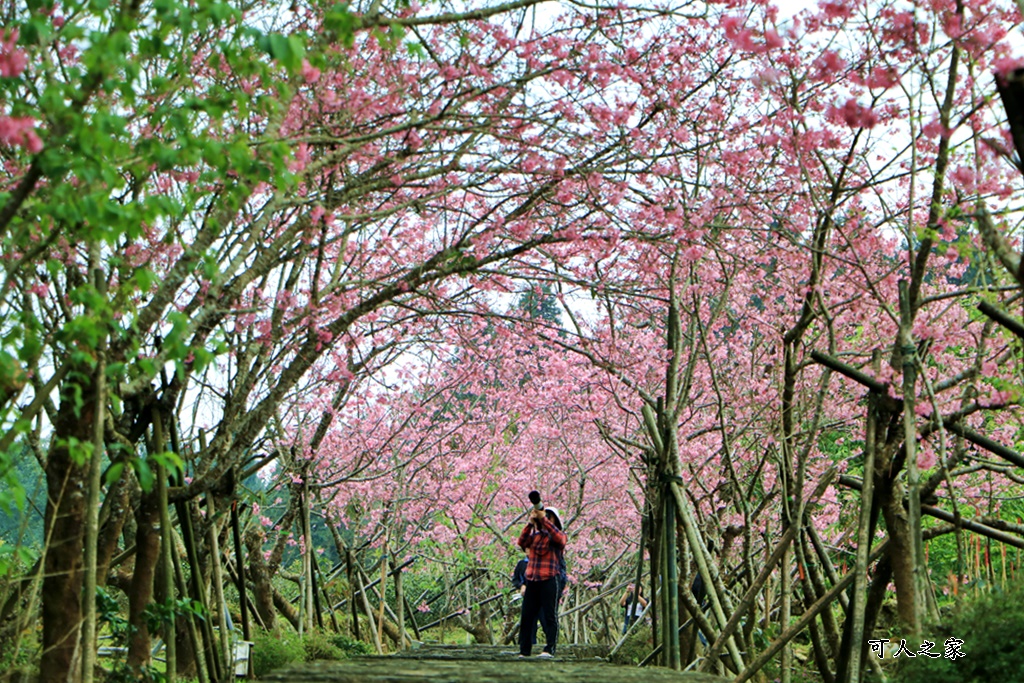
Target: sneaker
(545, 654)
(520, 656)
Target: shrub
(991, 626)
(349, 646)
(318, 645)
(273, 650)
(637, 646)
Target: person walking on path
(544, 541)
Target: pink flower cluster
(12, 60)
(745, 39)
(18, 131)
(853, 114)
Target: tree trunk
(262, 591)
(116, 507)
(140, 593)
(285, 608)
(900, 551)
(65, 535)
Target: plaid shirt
(543, 546)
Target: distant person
(544, 542)
(700, 596)
(519, 576)
(519, 583)
(633, 606)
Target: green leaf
(144, 473)
(342, 22)
(287, 50)
(169, 460)
(145, 279)
(221, 12)
(113, 473)
(416, 50)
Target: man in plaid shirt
(544, 542)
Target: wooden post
(240, 568)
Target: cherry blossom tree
(209, 208)
(236, 236)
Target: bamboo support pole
(794, 630)
(400, 604)
(815, 585)
(452, 615)
(909, 353)
(765, 574)
(410, 561)
(218, 586)
(95, 483)
(750, 596)
(387, 608)
(226, 655)
(313, 602)
(853, 673)
(199, 590)
(973, 525)
(786, 613)
(826, 562)
(194, 634)
(383, 587)
(352, 589)
(243, 600)
(322, 587)
(663, 604)
(169, 630)
(368, 610)
(216, 664)
(253, 612)
(706, 569)
(672, 624)
(412, 618)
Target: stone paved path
(481, 664)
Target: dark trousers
(539, 602)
